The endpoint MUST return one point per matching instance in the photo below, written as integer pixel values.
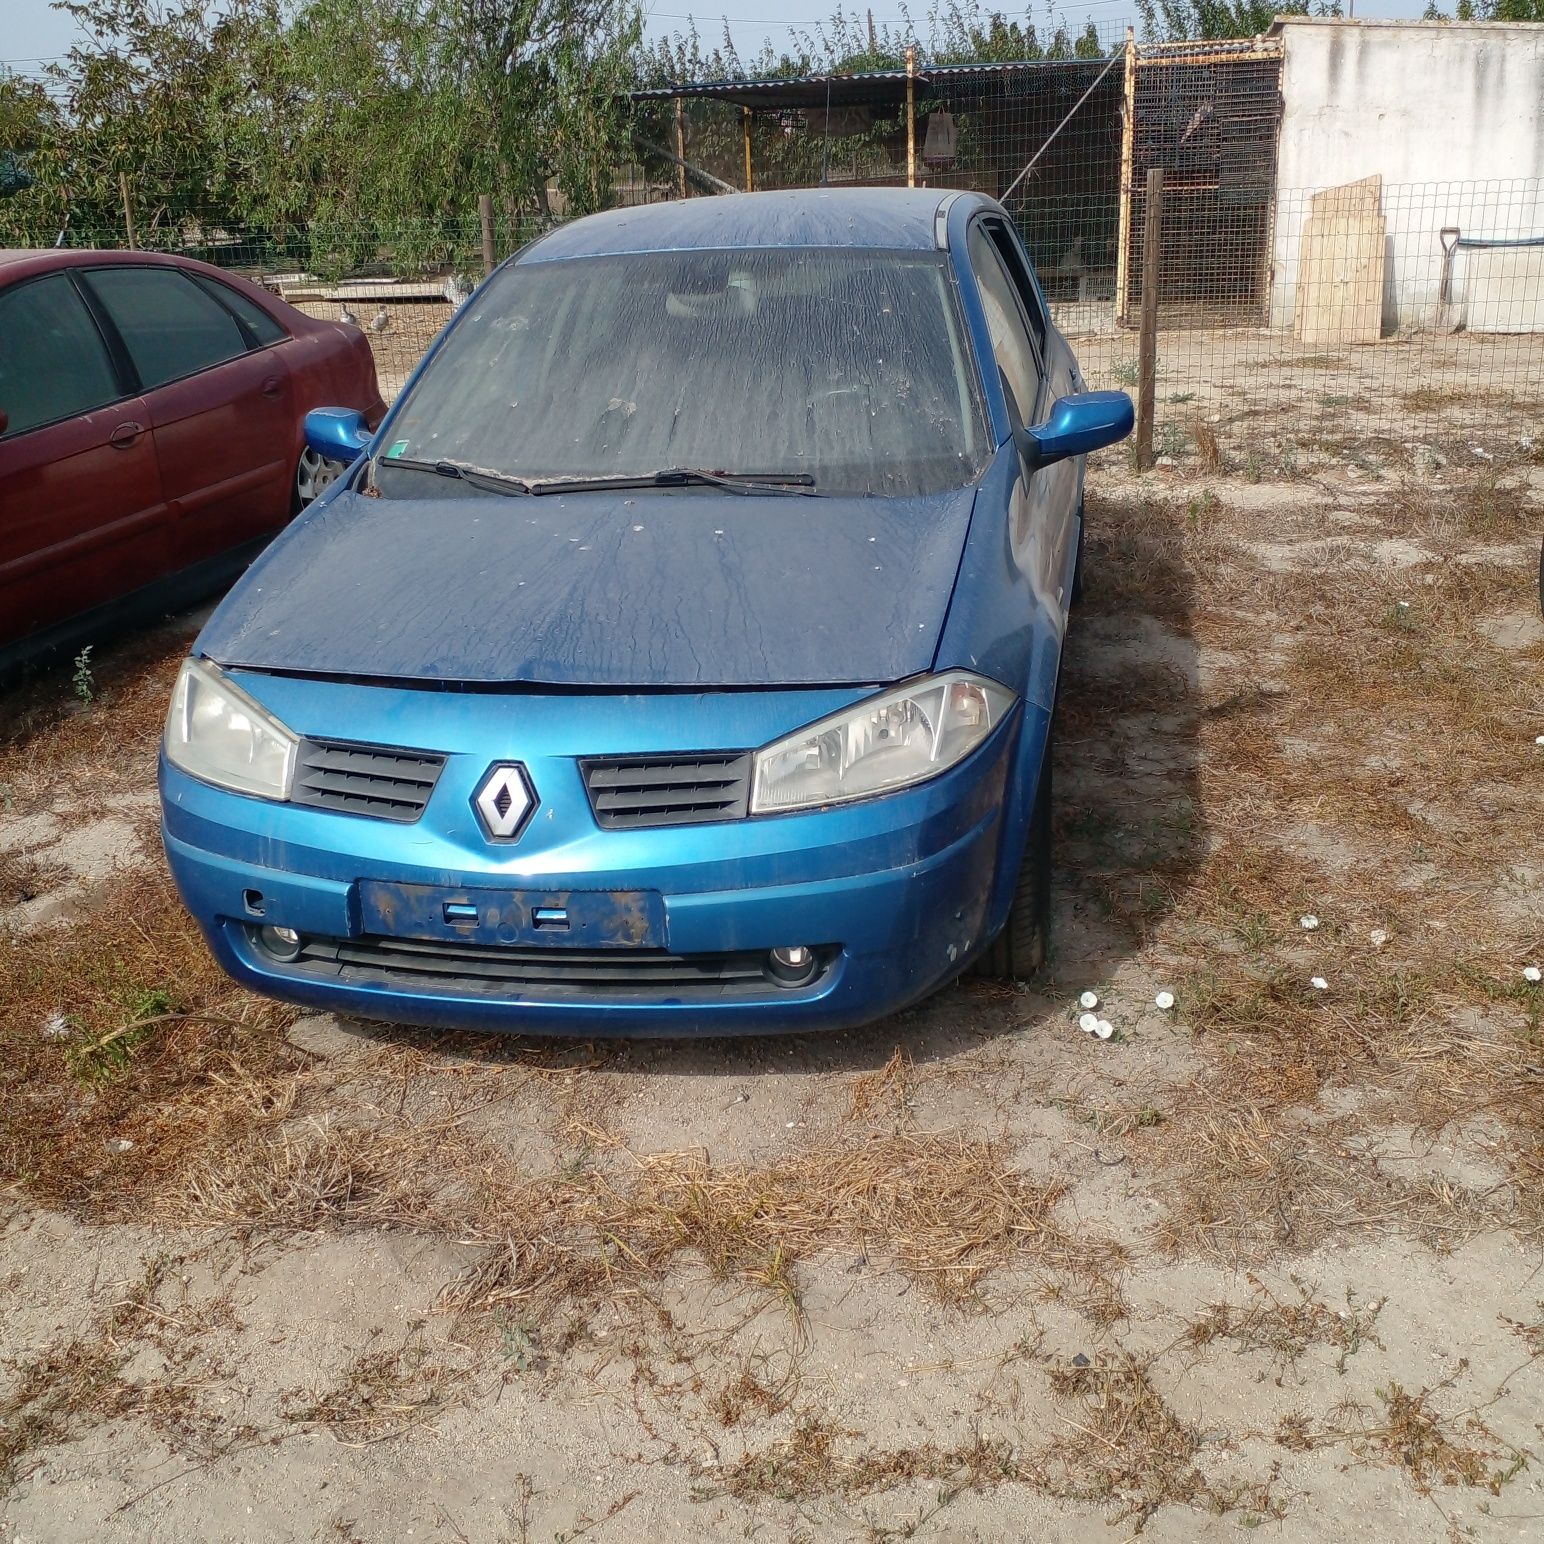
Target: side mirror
(339, 433)
(1089, 421)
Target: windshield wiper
(681, 476)
(493, 482)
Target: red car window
(53, 363)
(263, 326)
(170, 327)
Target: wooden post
(128, 211)
(1147, 343)
(745, 120)
(911, 115)
(1127, 144)
(485, 218)
(680, 147)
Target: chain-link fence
(1384, 324)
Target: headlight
(216, 732)
(903, 737)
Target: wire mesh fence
(1389, 324)
(1373, 322)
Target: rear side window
(53, 363)
(263, 326)
(170, 327)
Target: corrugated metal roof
(858, 86)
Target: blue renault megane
(680, 654)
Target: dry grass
(811, 1462)
(122, 1030)
(81, 1380)
(1286, 1329)
(24, 876)
(1408, 1432)
(1371, 766)
(380, 1395)
(945, 1209)
(53, 747)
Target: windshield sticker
(398, 448)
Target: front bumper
(895, 894)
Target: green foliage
(953, 32)
(349, 131)
(1487, 10)
(1177, 19)
(83, 680)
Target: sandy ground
(1347, 1345)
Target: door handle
(273, 386)
(124, 435)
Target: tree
(1488, 10)
(374, 119)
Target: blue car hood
(683, 588)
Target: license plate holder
(559, 919)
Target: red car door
(82, 518)
(221, 404)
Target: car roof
(892, 218)
(19, 262)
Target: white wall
(1451, 116)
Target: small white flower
(1165, 1000)
(1319, 984)
(56, 1026)
(1538, 739)
(1088, 1023)
(1089, 1000)
(1308, 922)
(1531, 973)
(1378, 937)
(1104, 1029)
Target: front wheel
(314, 476)
(1020, 949)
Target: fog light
(283, 943)
(793, 967)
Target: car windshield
(835, 371)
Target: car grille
(631, 791)
(415, 965)
(365, 779)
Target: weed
(83, 681)
(1181, 397)
(1202, 508)
(1252, 465)
(1124, 372)
(1170, 441)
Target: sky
(31, 32)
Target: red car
(151, 434)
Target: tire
(1021, 948)
(314, 475)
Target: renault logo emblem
(505, 801)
